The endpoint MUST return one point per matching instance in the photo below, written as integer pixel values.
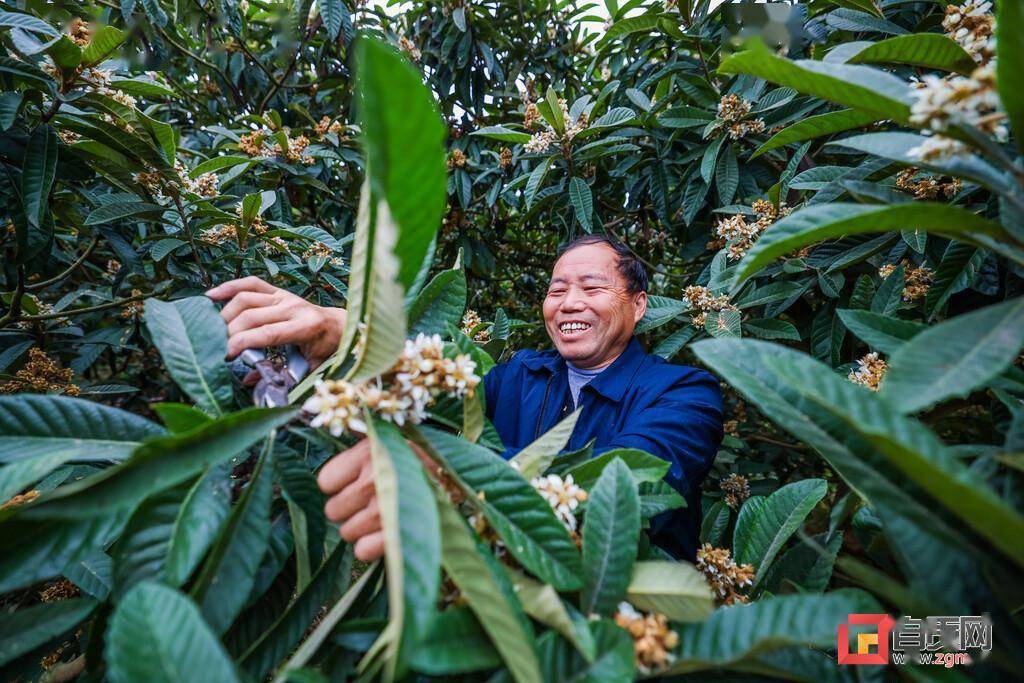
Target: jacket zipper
(543, 405)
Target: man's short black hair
(629, 265)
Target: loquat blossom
(563, 495)
(870, 371)
(653, 639)
(723, 574)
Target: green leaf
(157, 464)
(458, 645)
(542, 602)
(772, 328)
(710, 158)
(412, 542)
(440, 303)
(230, 572)
(735, 637)
(880, 332)
(955, 357)
(192, 338)
(536, 179)
(859, 87)
(959, 264)
(403, 138)
(927, 50)
(582, 202)
(141, 87)
(31, 627)
(642, 465)
(488, 592)
(204, 510)
(275, 644)
(328, 623)
(334, 13)
(37, 175)
(723, 324)
(65, 54)
(27, 22)
(157, 634)
(826, 221)
(613, 661)
(611, 532)
(715, 524)
(140, 554)
(927, 547)
(104, 41)
(897, 146)
(218, 164)
(807, 565)
(62, 429)
(1009, 17)
(524, 520)
(675, 589)
(180, 417)
(645, 23)
(108, 213)
(660, 310)
(535, 459)
(306, 509)
(883, 437)
(727, 176)
(766, 523)
(502, 133)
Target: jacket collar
(612, 383)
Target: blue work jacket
(639, 401)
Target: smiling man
(629, 399)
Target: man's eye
(591, 289)
(556, 292)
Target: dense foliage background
(804, 236)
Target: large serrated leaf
(524, 520)
(824, 221)
(675, 589)
(412, 542)
(488, 592)
(192, 338)
(157, 634)
(860, 87)
(734, 637)
(30, 627)
(611, 531)
(766, 523)
(955, 357)
(535, 459)
(230, 571)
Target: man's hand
(348, 479)
(259, 314)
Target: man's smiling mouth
(574, 327)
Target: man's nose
(572, 301)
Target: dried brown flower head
(736, 488)
(653, 639)
(41, 375)
(722, 573)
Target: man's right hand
(260, 314)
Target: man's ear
(639, 307)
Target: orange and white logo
(872, 648)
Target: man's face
(588, 311)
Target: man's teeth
(571, 328)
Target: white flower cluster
(972, 25)
(158, 184)
(402, 395)
(542, 141)
(971, 100)
(564, 496)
